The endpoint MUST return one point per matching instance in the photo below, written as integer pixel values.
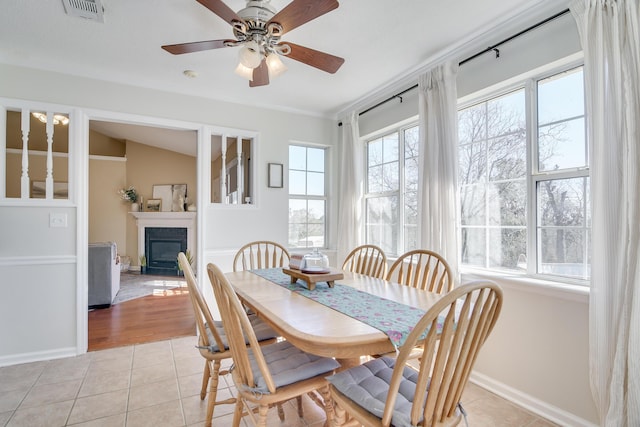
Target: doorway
(139, 155)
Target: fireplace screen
(162, 246)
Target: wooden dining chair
(386, 391)
(369, 260)
(422, 269)
(270, 374)
(261, 254)
(212, 341)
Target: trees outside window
(524, 179)
(391, 199)
(307, 197)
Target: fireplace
(168, 248)
(162, 245)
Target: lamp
(57, 118)
(250, 55)
(275, 65)
(243, 71)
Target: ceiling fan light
(245, 72)
(275, 65)
(249, 55)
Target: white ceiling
(381, 41)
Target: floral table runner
(395, 319)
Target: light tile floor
(158, 384)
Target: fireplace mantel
(166, 219)
(170, 216)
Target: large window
(307, 197)
(392, 191)
(524, 179)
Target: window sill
(564, 290)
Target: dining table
(318, 328)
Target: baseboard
(38, 356)
(537, 406)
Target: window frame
(307, 197)
(529, 84)
(399, 129)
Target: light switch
(58, 220)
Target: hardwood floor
(147, 319)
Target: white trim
(166, 220)
(38, 356)
(36, 153)
(37, 260)
(79, 179)
(529, 284)
(535, 405)
(3, 151)
(566, 63)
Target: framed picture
(172, 195)
(39, 188)
(154, 205)
(275, 175)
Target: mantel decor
(173, 197)
(154, 205)
(275, 175)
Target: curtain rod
(493, 48)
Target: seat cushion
(288, 365)
(262, 330)
(368, 386)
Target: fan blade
(222, 10)
(260, 75)
(315, 58)
(179, 49)
(299, 12)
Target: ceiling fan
(258, 28)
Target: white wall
(44, 269)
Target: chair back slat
(260, 254)
(422, 269)
(369, 260)
(464, 318)
(238, 328)
(200, 307)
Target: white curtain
(438, 179)
(611, 42)
(351, 189)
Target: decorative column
(49, 178)
(24, 180)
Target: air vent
(89, 9)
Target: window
(518, 213)
(307, 197)
(391, 199)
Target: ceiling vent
(89, 9)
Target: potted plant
(130, 195)
(189, 257)
(143, 264)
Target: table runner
(395, 319)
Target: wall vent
(89, 9)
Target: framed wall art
(275, 175)
(153, 205)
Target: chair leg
(300, 411)
(328, 404)
(340, 416)
(213, 392)
(280, 411)
(205, 380)
(262, 415)
(237, 414)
